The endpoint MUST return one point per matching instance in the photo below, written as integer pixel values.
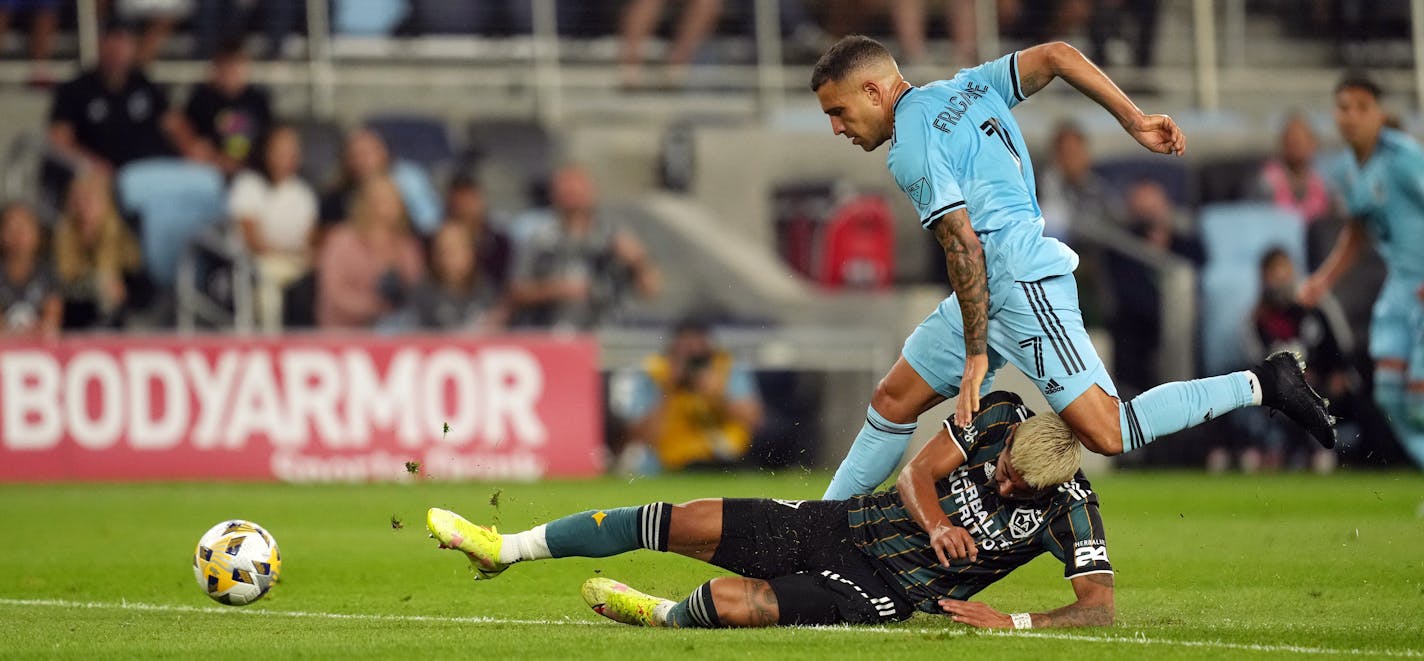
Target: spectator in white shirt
(276, 212)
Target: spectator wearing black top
(226, 117)
(112, 114)
(30, 304)
(466, 206)
(1137, 321)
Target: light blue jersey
(956, 145)
(1386, 193)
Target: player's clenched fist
(952, 542)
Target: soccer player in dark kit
(976, 503)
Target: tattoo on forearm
(1075, 616)
(964, 260)
(761, 604)
(1079, 614)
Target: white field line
(478, 619)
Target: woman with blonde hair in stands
(369, 262)
(96, 257)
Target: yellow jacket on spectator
(695, 427)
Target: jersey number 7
(992, 127)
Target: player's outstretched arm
(964, 260)
(1040, 64)
(1341, 258)
(1094, 608)
(938, 458)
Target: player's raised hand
(952, 542)
(976, 367)
(976, 614)
(1159, 133)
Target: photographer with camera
(692, 406)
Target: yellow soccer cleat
(621, 603)
(479, 543)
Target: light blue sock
(1395, 403)
(1172, 407)
(877, 449)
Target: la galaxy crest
(1025, 521)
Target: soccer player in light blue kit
(1380, 177)
(958, 154)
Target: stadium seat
(445, 17)
(514, 160)
(322, 142)
(1235, 236)
(1228, 179)
(421, 139)
(368, 17)
(1171, 173)
(857, 247)
(175, 201)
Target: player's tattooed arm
(1094, 607)
(964, 259)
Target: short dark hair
(1272, 255)
(232, 48)
(694, 322)
(463, 181)
(1068, 128)
(847, 55)
(1359, 80)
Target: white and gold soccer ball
(236, 562)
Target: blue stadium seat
(175, 201)
(374, 18)
(1236, 236)
(421, 139)
(1171, 173)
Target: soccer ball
(236, 562)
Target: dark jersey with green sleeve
(1008, 533)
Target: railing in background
(1219, 33)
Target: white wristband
(1022, 620)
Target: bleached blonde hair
(1045, 452)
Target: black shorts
(805, 549)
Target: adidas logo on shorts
(1052, 388)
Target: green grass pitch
(1228, 567)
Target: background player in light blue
(958, 154)
(1380, 179)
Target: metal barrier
(1217, 32)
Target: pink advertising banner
(300, 408)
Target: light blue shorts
(1397, 326)
(1037, 326)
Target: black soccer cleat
(1284, 388)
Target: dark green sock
(696, 611)
(601, 533)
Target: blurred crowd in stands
(1119, 32)
(1248, 229)
(383, 227)
(384, 244)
